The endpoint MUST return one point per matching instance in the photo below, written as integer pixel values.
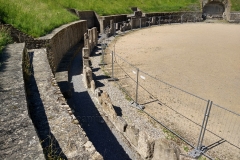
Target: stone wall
(57, 127)
(18, 137)
(175, 17)
(105, 20)
(234, 17)
(90, 17)
(147, 146)
(61, 40)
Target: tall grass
(39, 17)
(5, 38)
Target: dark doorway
(213, 10)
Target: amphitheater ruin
(57, 102)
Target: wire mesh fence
(181, 112)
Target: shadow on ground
(90, 119)
(37, 113)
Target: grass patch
(5, 39)
(39, 17)
(235, 5)
(186, 149)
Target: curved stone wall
(62, 39)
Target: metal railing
(203, 125)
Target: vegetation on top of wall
(5, 39)
(39, 17)
(235, 5)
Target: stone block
(89, 76)
(85, 52)
(153, 20)
(95, 36)
(86, 62)
(137, 14)
(120, 124)
(111, 27)
(93, 87)
(145, 145)
(97, 92)
(86, 40)
(105, 96)
(132, 134)
(109, 110)
(165, 150)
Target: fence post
(112, 78)
(136, 100)
(199, 150)
(135, 104)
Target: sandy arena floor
(203, 59)
(200, 58)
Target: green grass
(5, 39)
(235, 5)
(39, 17)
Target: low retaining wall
(18, 137)
(52, 116)
(146, 146)
(234, 17)
(61, 40)
(105, 20)
(176, 17)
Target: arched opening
(213, 10)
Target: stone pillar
(111, 27)
(132, 133)
(90, 39)
(153, 20)
(86, 62)
(121, 28)
(85, 52)
(86, 40)
(166, 150)
(87, 76)
(145, 145)
(95, 36)
(93, 87)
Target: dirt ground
(200, 58)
